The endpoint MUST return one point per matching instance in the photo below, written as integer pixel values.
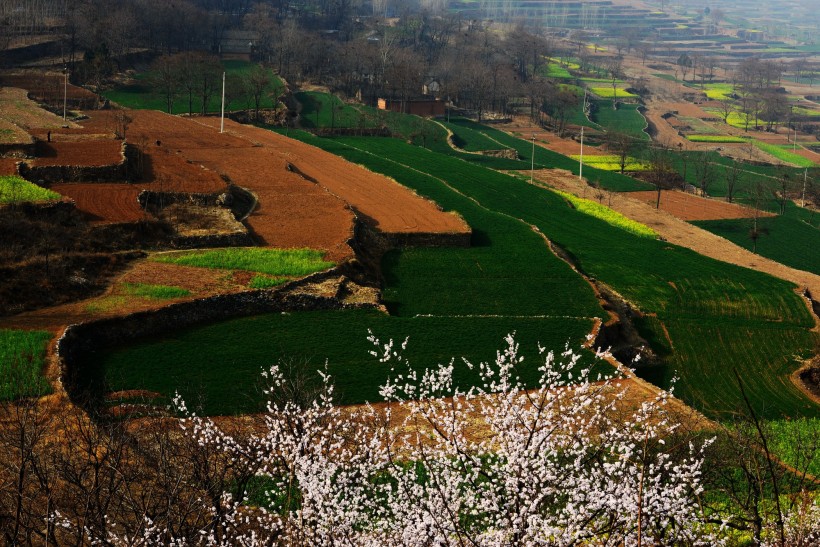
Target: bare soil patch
(84, 153)
(104, 202)
(8, 166)
(690, 207)
(387, 205)
(523, 127)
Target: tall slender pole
(65, 91)
(581, 162)
(803, 199)
(222, 120)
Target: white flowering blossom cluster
(435, 465)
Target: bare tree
(733, 175)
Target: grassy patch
(609, 216)
(275, 262)
(22, 356)
(795, 440)
(14, 189)
(609, 93)
(716, 138)
(156, 292)
(266, 282)
(784, 152)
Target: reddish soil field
(690, 207)
(89, 153)
(104, 202)
(305, 194)
(391, 207)
(49, 87)
(8, 166)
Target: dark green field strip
(22, 358)
(219, 365)
(670, 281)
(626, 119)
(787, 240)
(547, 158)
(470, 139)
(142, 95)
(756, 352)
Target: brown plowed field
(86, 153)
(8, 166)
(689, 207)
(105, 202)
(389, 206)
(522, 126)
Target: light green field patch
(612, 163)
(609, 93)
(716, 138)
(719, 92)
(274, 262)
(784, 152)
(14, 189)
(606, 214)
(156, 292)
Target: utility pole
(803, 198)
(222, 120)
(581, 163)
(65, 91)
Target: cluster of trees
(571, 462)
(193, 75)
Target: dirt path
(684, 234)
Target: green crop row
(612, 163)
(608, 215)
(14, 189)
(716, 138)
(275, 262)
(21, 364)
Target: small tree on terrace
(661, 174)
(621, 145)
(257, 81)
(734, 175)
(704, 171)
